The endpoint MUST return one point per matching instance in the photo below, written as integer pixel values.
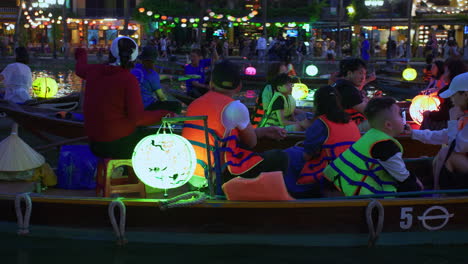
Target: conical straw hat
(16, 155)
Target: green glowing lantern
(44, 87)
(311, 70)
(300, 91)
(410, 74)
(164, 161)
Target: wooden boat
(39, 120)
(320, 222)
(334, 221)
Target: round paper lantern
(250, 71)
(410, 74)
(164, 161)
(250, 94)
(311, 70)
(422, 103)
(45, 87)
(300, 91)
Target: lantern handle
(167, 120)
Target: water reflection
(68, 82)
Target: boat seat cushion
(268, 186)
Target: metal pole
(127, 17)
(54, 53)
(17, 26)
(65, 29)
(338, 45)
(264, 17)
(410, 20)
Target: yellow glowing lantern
(44, 87)
(311, 70)
(250, 71)
(164, 161)
(300, 91)
(410, 74)
(421, 104)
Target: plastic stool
(106, 186)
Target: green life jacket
(270, 118)
(355, 172)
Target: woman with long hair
(113, 108)
(332, 132)
(437, 80)
(436, 120)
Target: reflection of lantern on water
(300, 91)
(410, 74)
(164, 161)
(250, 71)
(311, 70)
(422, 103)
(250, 94)
(44, 87)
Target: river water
(38, 250)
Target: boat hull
(339, 222)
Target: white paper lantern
(164, 161)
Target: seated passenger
(353, 78)
(264, 98)
(198, 66)
(17, 78)
(331, 133)
(437, 80)
(113, 108)
(374, 164)
(437, 120)
(230, 127)
(282, 108)
(151, 93)
(451, 163)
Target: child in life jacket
(282, 108)
(374, 164)
(231, 134)
(332, 132)
(451, 163)
(264, 98)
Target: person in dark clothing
(436, 120)
(352, 78)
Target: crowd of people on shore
(366, 159)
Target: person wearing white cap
(450, 166)
(113, 107)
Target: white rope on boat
(23, 221)
(373, 231)
(119, 228)
(183, 200)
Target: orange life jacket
(258, 113)
(268, 186)
(340, 138)
(238, 160)
(356, 116)
(463, 121)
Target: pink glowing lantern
(250, 94)
(250, 71)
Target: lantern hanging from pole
(300, 91)
(250, 71)
(164, 161)
(45, 87)
(410, 74)
(421, 104)
(311, 70)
